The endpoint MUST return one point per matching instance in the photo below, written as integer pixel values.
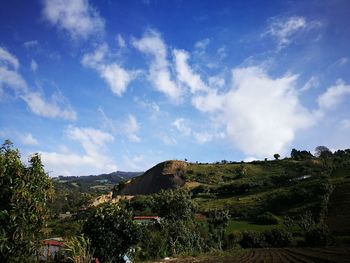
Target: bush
(318, 236)
(267, 218)
(278, 238)
(251, 239)
(233, 240)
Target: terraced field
(276, 255)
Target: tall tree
(24, 193)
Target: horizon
(102, 86)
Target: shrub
(267, 218)
(233, 240)
(318, 236)
(278, 237)
(251, 239)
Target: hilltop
(163, 176)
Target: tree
(322, 151)
(24, 193)
(174, 204)
(276, 155)
(112, 232)
(218, 221)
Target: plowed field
(275, 255)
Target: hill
(165, 175)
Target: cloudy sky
(98, 86)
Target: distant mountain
(165, 175)
(111, 178)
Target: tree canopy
(24, 192)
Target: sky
(99, 86)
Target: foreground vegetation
(224, 207)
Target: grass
(235, 225)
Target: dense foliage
(24, 193)
(112, 232)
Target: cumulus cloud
(93, 160)
(333, 96)
(154, 47)
(28, 139)
(185, 73)
(113, 74)
(77, 17)
(12, 79)
(286, 28)
(261, 114)
(41, 107)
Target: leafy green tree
(218, 221)
(112, 232)
(24, 193)
(322, 152)
(276, 155)
(174, 205)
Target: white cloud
(28, 139)
(343, 61)
(159, 74)
(93, 160)
(185, 73)
(33, 65)
(131, 127)
(286, 28)
(168, 140)
(216, 82)
(152, 107)
(345, 123)
(210, 102)
(202, 44)
(7, 59)
(10, 78)
(77, 17)
(203, 137)
(113, 74)
(117, 78)
(181, 126)
(261, 114)
(31, 44)
(312, 82)
(41, 107)
(13, 80)
(333, 96)
(120, 41)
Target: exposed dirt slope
(109, 198)
(165, 175)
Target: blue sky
(99, 86)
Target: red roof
(53, 243)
